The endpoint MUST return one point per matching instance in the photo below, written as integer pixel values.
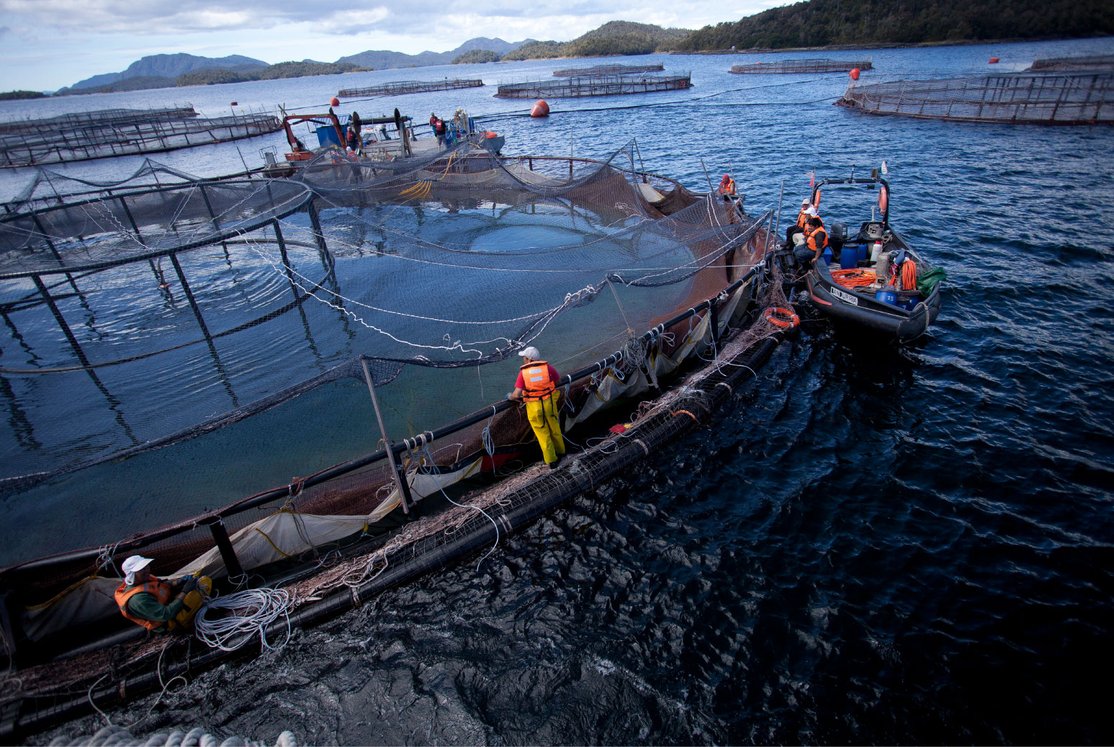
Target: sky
(48, 44)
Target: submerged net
(147, 317)
(211, 348)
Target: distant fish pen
(121, 132)
(803, 66)
(1064, 64)
(573, 72)
(404, 87)
(594, 85)
(1021, 98)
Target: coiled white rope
(249, 614)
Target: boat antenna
(239, 153)
(707, 176)
(780, 197)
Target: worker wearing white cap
(537, 385)
(155, 604)
(799, 226)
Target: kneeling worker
(537, 385)
(159, 605)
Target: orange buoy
(782, 318)
(541, 109)
(334, 101)
(993, 60)
(883, 198)
(489, 135)
(855, 73)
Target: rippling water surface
(866, 546)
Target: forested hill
(820, 23)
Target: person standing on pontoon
(157, 605)
(537, 385)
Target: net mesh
(204, 341)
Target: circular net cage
(177, 347)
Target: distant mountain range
(384, 60)
(165, 70)
(812, 24)
(168, 66)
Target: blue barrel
(827, 255)
(849, 258)
(327, 135)
(886, 295)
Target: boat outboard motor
(837, 237)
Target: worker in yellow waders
(537, 385)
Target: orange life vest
(536, 381)
(161, 590)
(727, 186)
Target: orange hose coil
(858, 277)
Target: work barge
(416, 503)
(106, 133)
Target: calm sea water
(866, 547)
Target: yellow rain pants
(542, 414)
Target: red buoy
(334, 101)
(541, 109)
(855, 73)
(993, 60)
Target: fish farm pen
(608, 70)
(594, 85)
(218, 336)
(1062, 64)
(120, 132)
(1012, 98)
(403, 87)
(803, 66)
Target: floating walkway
(573, 72)
(121, 132)
(803, 66)
(404, 87)
(595, 85)
(1021, 98)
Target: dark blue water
(867, 547)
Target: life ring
(782, 317)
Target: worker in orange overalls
(157, 605)
(537, 385)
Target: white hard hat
(811, 212)
(530, 352)
(133, 564)
(805, 202)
